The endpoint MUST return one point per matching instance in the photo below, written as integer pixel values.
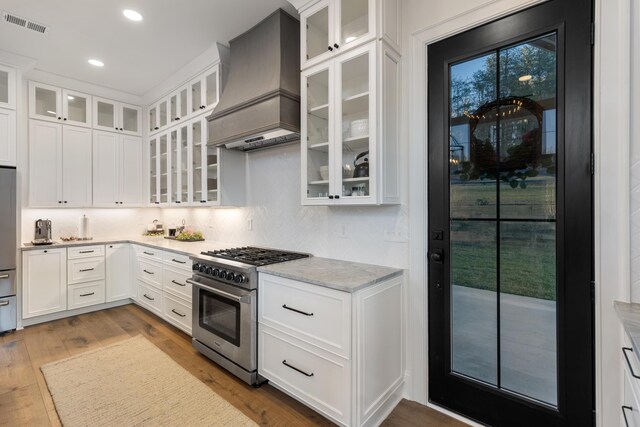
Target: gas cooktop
(256, 256)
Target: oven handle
(217, 291)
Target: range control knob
(216, 272)
(203, 268)
(239, 278)
(223, 274)
(195, 267)
(231, 276)
(209, 270)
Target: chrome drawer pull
(3, 303)
(178, 261)
(178, 283)
(86, 295)
(149, 298)
(624, 351)
(87, 252)
(148, 272)
(148, 253)
(86, 269)
(4, 276)
(624, 413)
(297, 311)
(284, 362)
(179, 314)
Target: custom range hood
(260, 105)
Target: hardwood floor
(25, 400)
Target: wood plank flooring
(25, 399)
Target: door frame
(611, 188)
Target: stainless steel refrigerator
(8, 313)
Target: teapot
(361, 164)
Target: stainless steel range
(225, 326)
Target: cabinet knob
(59, 118)
(330, 48)
(156, 128)
(336, 45)
(65, 119)
(331, 196)
(65, 201)
(59, 201)
(177, 118)
(337, 196)
(116, 128)
(121, 129)
(46, 251)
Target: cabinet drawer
(85, 252)
(311, 313)
(149, 297)
(177, 261)
(177, 312)
(85, 294)
(149, 253)
(150, 272)
(85, 270)
(630, 408)
(176, 283)
(317, 378)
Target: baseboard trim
(62, 314)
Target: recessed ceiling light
(525, 78)
(70, 98)
(132, 14)
(96, 63)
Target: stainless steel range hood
(260, 106)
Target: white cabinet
(116, 116)
(118, 272)
(85, 276)
(205, 90)
(7, 87)
(117, 172)
(332, 350)
(331, 27)
(60, 165)
(55, 104)
(178, 107)
(7, 136)
(44, 282)
(350, 128)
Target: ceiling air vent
(24, 23)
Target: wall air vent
(11, 18)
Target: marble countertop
(332, 273)
(629, 315)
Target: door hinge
(593, 33)
(593, 164)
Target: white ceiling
(137, 55)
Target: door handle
(437, 256)
(624, 413)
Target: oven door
(224, 319)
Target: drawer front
(8, 315)
(177, 312)
(311, 313)
(149, 253)
(85, 270)
(630, 407)
(85, 294)
(175, 283)
(8, 283)
(149, 297)
(317, 378)
(150, 272)
(85, 252)
(174, 260)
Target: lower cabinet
(85, 276)
(630, 410)
(333, 350)
(118, 274)
(85, 294)
(44, 282)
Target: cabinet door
(183, 102)
(76, 108)
(45, 164)
(153, 119)
(105, 114)
(45, 102)
(44, 282)
(211, 169)
(174, 166)
(211, 91)
(7, 137)
(163, 113)
(317, 33)
(106, 157)
(184, 162)
(173, 107)
(165, 179)
(130, 171)
(130, 119)
(76, 166)
(7, 87)
(154, 166)
(317, 122)
(197, 96)
(196, 138)
(355, 166)
(354, 23)
(118, 272)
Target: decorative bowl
(359, 128)
(324, 172)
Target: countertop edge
(65, 245)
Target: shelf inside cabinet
(355, 104)
(321, 111)
(359, 179)
(323, 182)
(356, 144)
(323, 147)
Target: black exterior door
(510, 219)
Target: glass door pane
(354, 20)
(502, 163)
(184, 104)
(4, 87)
(196, 96)
(77, 107)
(173, 107)
(354, 152)
(211, 82)
(197, 162)
(153, 171)
(212, 174)
(106, 114)
(46, 102)
(184, 165)
(175, 171)
(153, 116)
(317, 33)
(162, 114)
(129, 119)
(164, 175)
(317, 118)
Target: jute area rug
(133, 383)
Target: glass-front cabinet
(76, 108)
(154, 179)
(204, 165)
(45, 102)
(115, 116)
(205, 91)
(163, 156)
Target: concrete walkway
(527, 340)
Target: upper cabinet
(205, 90)
(7, 87)
(58, 105)
(331, 27)
(115, 116)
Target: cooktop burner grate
(256, 256)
